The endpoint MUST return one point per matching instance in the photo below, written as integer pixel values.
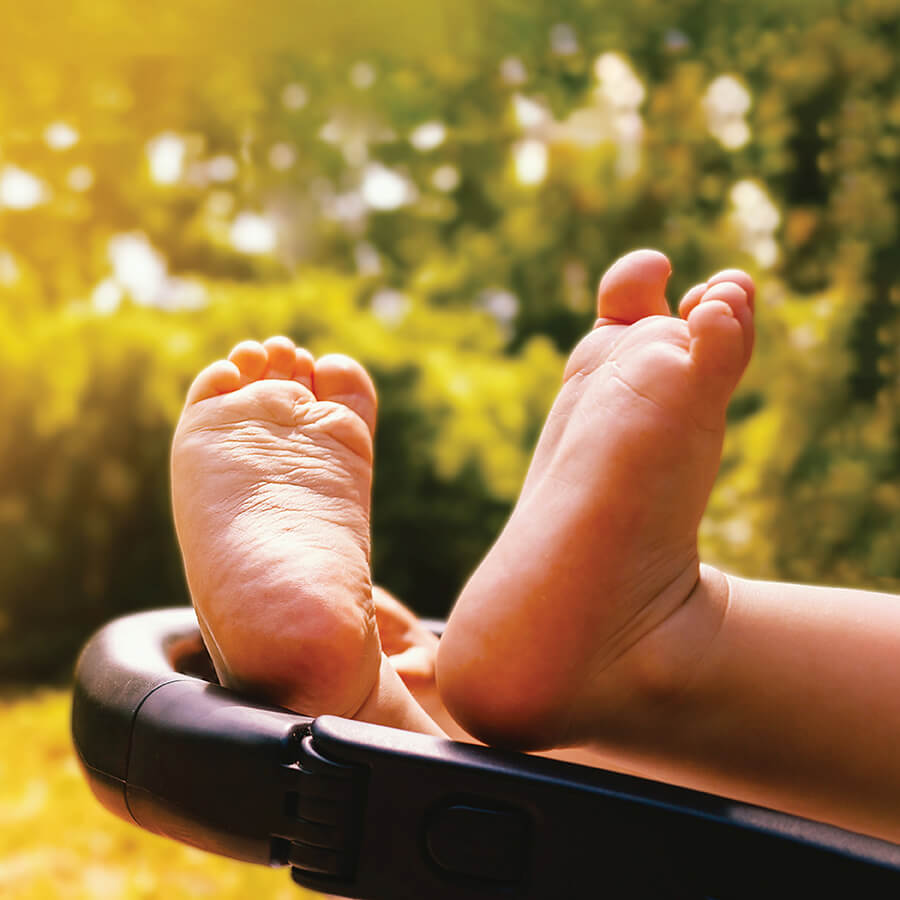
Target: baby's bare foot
(271, 478)
(557, 636)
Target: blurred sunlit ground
(56, 841)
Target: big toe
(634, 287)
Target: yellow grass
(56, 841)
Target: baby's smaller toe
(281, 358)
(343, 380)
(251, 358)
(221, 377)
(738, 300)
(691, 299)
(304, 364)
(738, 277)
(717, 346)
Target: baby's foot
(271, 478)
(589, 600)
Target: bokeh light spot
(137, 267)
(282, 156)
(390, 306)
(531, 161)
(513, 71)
(165, 154)
(428, 136)
(362, 75)
(221, 168)
(563, 41)
(60, 136)
(253, 234)
(756, 219)
(384, 189)
(80, 178)
(294, 96)
(446, 178)
(107, 296)
(20, 189)
(727, 102)
(530, 114)
(9, 270)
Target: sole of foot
(271, 477)
(587, 607)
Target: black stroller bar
(364, 811)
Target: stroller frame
(365, 811)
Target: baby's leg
(271, 476)
(557, 638)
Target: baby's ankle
(617, 703)
(665, 662)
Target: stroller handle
(365, 811)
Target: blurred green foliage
(436, 189)
(85, 524)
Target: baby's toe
(281, 355)
(251, 358)
(221, 377)
(691, 299)
(343, 380)
(634, 287)
(738, 300)
(738, 277)
(717, 347)
(304, 364)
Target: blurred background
(434, 188)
